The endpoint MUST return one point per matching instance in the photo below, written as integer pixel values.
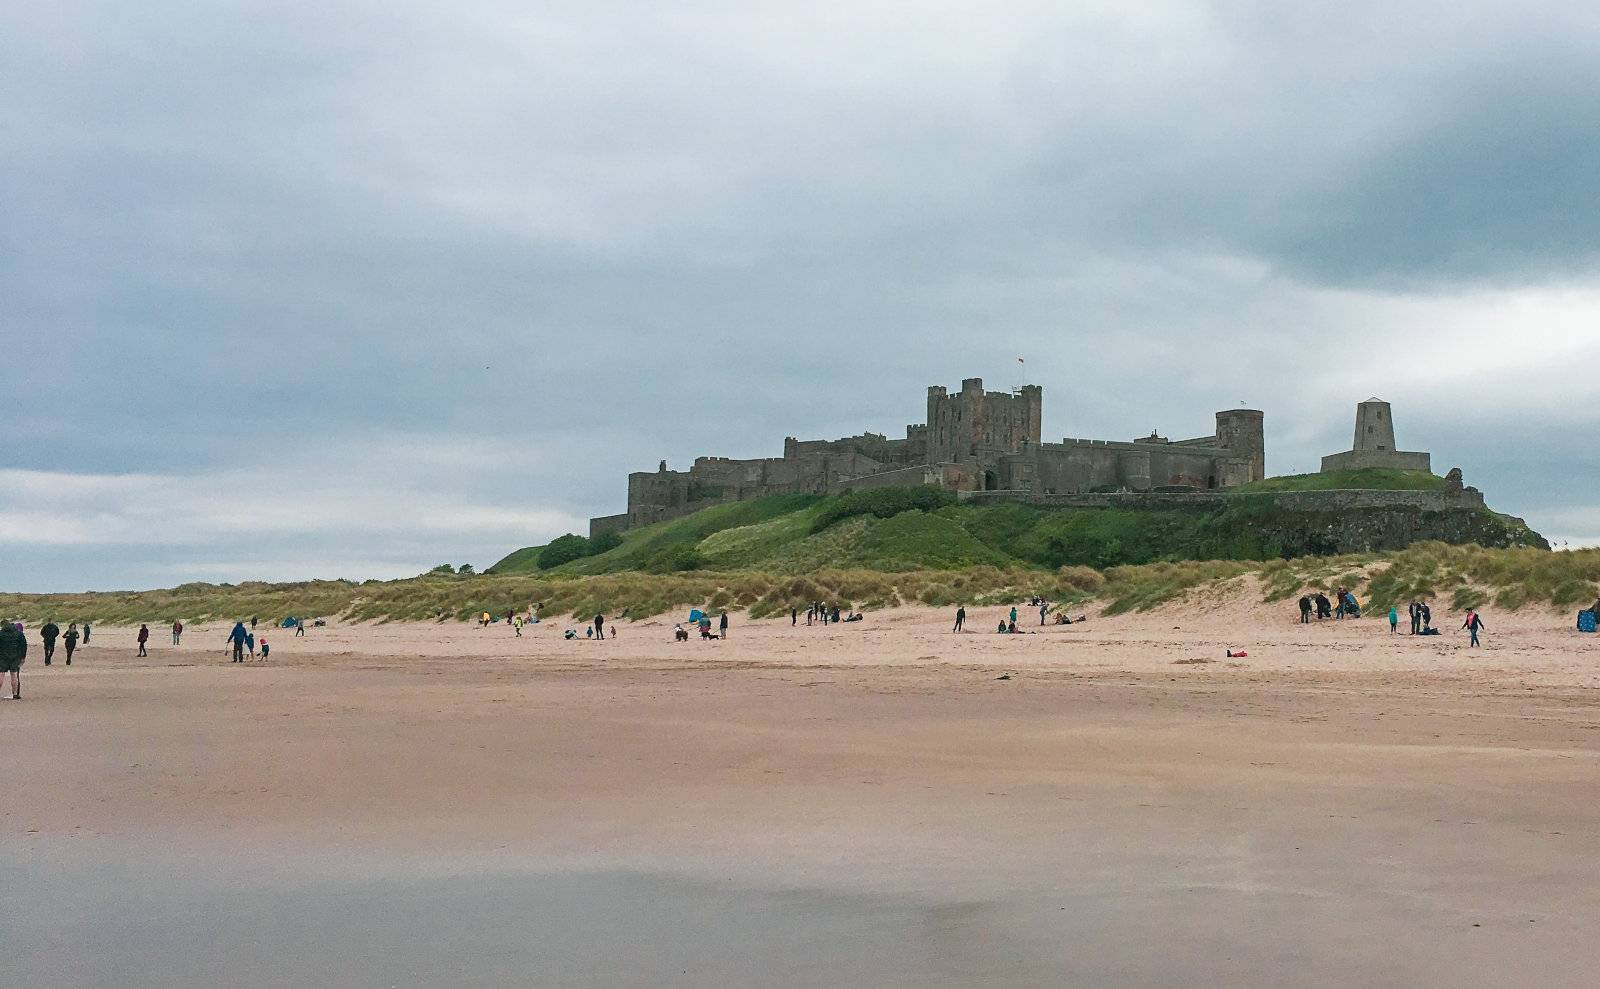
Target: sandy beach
(858, 804)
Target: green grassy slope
(799, 533)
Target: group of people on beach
(1008, 623)
(820, 612)
(14, 647)
(703, 624)
(1318, 604)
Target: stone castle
(973, 441)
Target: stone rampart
(1292, 501)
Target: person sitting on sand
(1002, 629)
(569, 634)
(855, 616)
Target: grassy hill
(896, 530)
(890, 546)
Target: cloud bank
(352, 289)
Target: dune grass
(1452, 576)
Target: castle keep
(973, 440)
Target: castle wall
(1075, 465)
(974, 440)
(1388, 459)
(1293, 501)
(609, 523)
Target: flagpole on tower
(1022, 370)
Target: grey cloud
(587, 236)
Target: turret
(1242, 432)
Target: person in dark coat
(1305, 609)
(13, 650)
(961, 618)
(70, 640)
(236, 637)
(600, 626)
(48, 635)
(144, 636)
(722, 625)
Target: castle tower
(1374, 444)
(1374, 427)
(961, 425)
(1242, 432)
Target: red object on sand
(1241, 654)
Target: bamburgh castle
(973, 440)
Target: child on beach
(1394, 619)
(265, 649)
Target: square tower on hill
(1374, 444)
(974, 421)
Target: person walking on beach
(299, 627)
(13, 650)
(794, 617)
(1013, 614)
(1044, 609)
(599, 626)
(70, 640)
(177, 632)
(722, 625)
(86, 631)
(236, 638)
(252, 623)
(961, 618)
(264, 649)
(1394, 619)
(1427, 616)
(48, 635)
(1474, 624)
(1305, 609)
(250, 643)
(144, 636)
(516, 626)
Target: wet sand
(862, 804)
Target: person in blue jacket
(237, 637)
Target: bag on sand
(1586, 621)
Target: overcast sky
(299, 289)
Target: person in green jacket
(1394, 619)
(13, 650)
